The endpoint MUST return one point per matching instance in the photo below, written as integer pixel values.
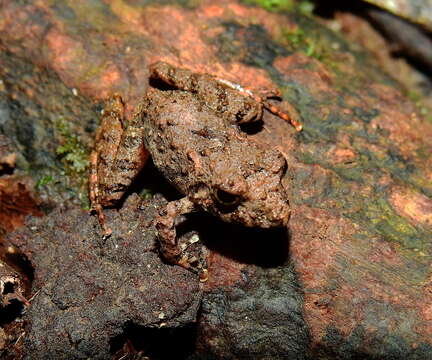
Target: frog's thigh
(107, 141)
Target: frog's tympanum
(189, 123)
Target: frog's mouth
(271, 214)
(266, 216)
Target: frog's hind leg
(107, 140)
(118, 157)
(262, 99)
(290, 116)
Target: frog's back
(180, 133)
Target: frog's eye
(227, 199)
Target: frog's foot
(166, 226)
(106, 231)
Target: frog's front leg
(118, 157)
(166, 226)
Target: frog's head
(248, 191)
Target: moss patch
(72, 152)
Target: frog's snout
(276, 210)
(272, 213)
(279, 214)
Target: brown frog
(189, 123)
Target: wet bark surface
(349, 277)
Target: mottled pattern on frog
(189, 123)
(213, 163)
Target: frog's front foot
(166, 226)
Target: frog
(191, 125)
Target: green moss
(72, 152)
(147, 193)
(380, 213)
(424, 152)
(304, 7)
(299, 40)
(296, 38)
(379, 217)
(273, 5)
(139, 4)
(413, 95)
(43, 181)
(376, 216)
(74, 157)
(422, 108)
